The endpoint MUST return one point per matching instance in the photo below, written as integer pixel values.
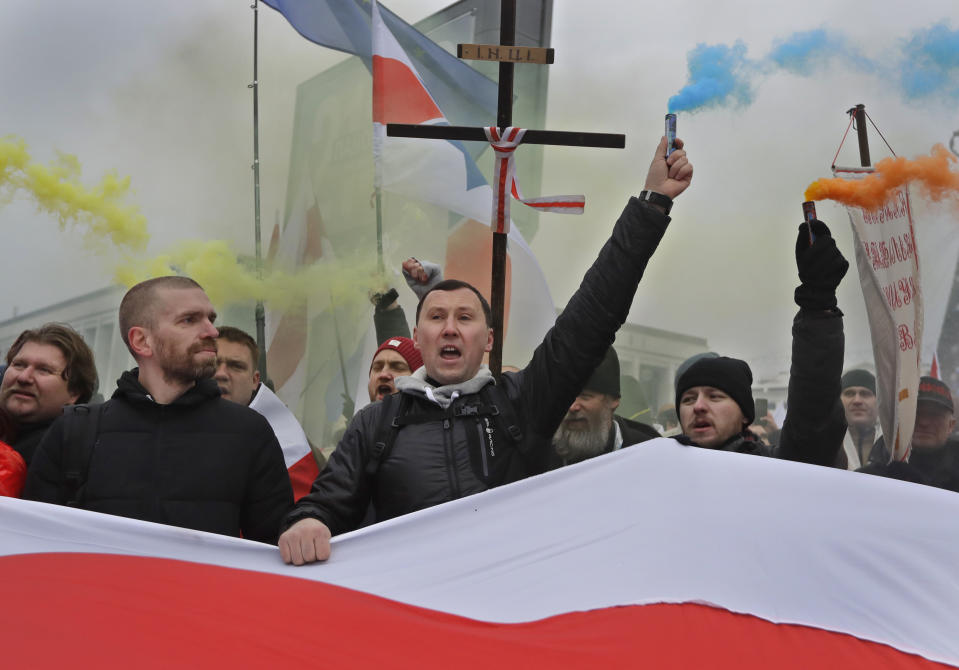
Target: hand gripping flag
(506, 184)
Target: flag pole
(860, 112)
(260, 313)
(379, 229)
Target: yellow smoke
(215, 266)
(932, 173)
(98, 211)
(104, 218)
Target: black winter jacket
(200, 462)
(430, 464)
(28, 438)
(633, 432)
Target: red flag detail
(398, 96)
(126, 611)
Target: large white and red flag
(645, 557)
(444, 174)
(299, 245)
(888, 261)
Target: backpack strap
(386, 431)
(501, 409)
(395, 415)
(81, 428)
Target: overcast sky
(158, 92)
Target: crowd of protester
(181, 441)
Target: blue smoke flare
(931, 63)
(718, 75)
(806, 52)
(927, 66)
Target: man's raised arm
(587, 327)
(815, 421)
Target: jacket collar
(417, 384)
(129, 388)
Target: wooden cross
(507, 54)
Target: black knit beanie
(858, 377)
(605, 378)
(730, 375)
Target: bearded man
(591, 426)
(166, 447)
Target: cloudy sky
(158, 92)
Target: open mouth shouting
(450, 353)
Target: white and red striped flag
(506, 184)
(639, 558)
(299, 245)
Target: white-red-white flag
(640, 558)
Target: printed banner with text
(888, 262)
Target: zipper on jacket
(482, 446)
(448, 443)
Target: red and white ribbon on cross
(505, 182)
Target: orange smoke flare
(931, 173)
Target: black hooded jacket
(201, 462)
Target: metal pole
(379, 231)
(863, 137)
(260, 313)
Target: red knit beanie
(404, 347)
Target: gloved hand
(421, 276)
(821, 267)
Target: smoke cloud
(931, 63)
(100, 212)
(112, 226)
(926, 66)
(931, 173)
(719, 75)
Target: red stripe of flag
(109, 611)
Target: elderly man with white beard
(591, 427)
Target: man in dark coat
(448, 442)
(934, 457)
(167, 448)
(714, 393)
(591, 427)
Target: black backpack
(81, 429)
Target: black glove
(821, 267)
(383, 300)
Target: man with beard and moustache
(714, 393)
(166, 447)
(591, 427)
(47, 368)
